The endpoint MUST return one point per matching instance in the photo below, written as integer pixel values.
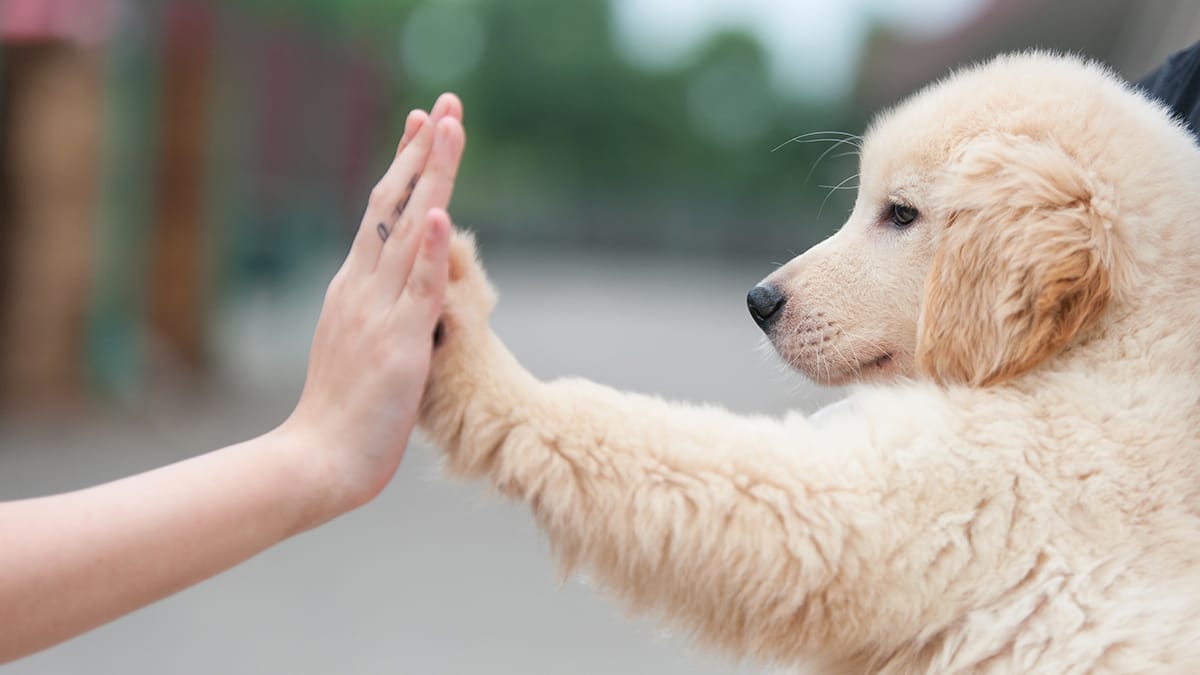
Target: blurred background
(180, 178)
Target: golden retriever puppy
(1019, 489)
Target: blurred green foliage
(571, 144)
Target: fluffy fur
(1017, 491)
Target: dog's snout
(764, 302)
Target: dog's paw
(474, 381)
(468, 360)
(469, 296)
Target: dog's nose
(764, 303)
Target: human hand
(73, 561)
(371, 352)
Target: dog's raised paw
(469, 295)
(463, 259)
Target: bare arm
(769, 537)
(73, 561)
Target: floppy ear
(1022, 266)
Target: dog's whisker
(832, 132)
(818, 357)
(822, 156)
(856, 336)
(828, 137)
(826, 200)
(853, 365)
(853, 349)
(878, 350)
(835, 141)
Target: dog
(1013, 485)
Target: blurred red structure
(177, 287)
(51, 98)
(72, 21)
(148, 149)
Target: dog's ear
(1022, 266)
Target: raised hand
(371, 352)
(73, 561)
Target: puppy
(1016, 489)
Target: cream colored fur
(1020, 490)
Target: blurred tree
(568, 142)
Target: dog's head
(980, 243)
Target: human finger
(412, 124)
(390, 196)
(420, 303)
(406, 171)
(376, 225)
(432, 191)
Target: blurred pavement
(432, 577)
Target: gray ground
(432, 577)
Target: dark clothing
(1177, 83)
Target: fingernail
(441, 107)
(414, 122)
(412, 126)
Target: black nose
(764, 303)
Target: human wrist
(315, 485)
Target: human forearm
(74, 561)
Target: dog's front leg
(767, 537)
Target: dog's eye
(903, 215)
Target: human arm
(73, 561)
